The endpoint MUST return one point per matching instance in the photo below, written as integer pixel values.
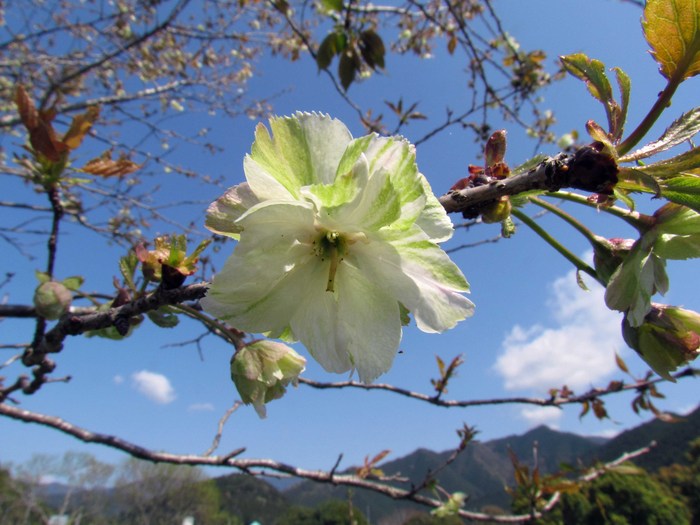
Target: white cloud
(118, 380)
(577, 351)
(607, 433)
(201, 407)
(536, 416)
(155, 387)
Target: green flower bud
(668, 338)
(451, 506)
(498, 211)
(608, 254)
(262, 370)
(52, 300)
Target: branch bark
(588, 169)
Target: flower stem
(556, 210)
(576, 261)
(635, 219)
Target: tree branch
(248, 465)
(79, 324)
(554, 401)
(588, 169)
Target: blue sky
(533, 329)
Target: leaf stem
(576, 261)
(662, 102)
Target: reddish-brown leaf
(105, 166)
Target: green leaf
(681, 130)
(127, 267)
(683, 190)
(672, 29)
(672, 167)
(42, 277)
(332, 5)
(528, 165)
(372, 49)
(581, 283)
(332, 45)
(625, 85)
(73, 283)
(678, 247)
(508, 227)
(637, 179)
(622, 195)
(163, 317)
(347, 69)
(592, 72)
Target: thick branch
(78, 324)
(74, 324)
(588, 169)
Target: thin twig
(220, 428)
(554, 401)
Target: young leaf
(163, 318)
(592, 72)
(680, 130)
(42, 277)
(79, 127)
(127, 267)
(636, 179)
(664, 169)
(683, 190)
(625, 85)
(73, 283)
(621, 363)
(672, 29)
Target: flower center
(333, 246)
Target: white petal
(224, 211)
(420, 275)
(264, 185)
(260, 283)
(433, 219)
(369, 323)
(358, 326)
(303, 149)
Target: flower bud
(262, 370)
(608, 254)
(52, 299)
(498, 211)
(668, 338)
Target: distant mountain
(671, 438)
(483, 470)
